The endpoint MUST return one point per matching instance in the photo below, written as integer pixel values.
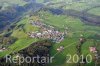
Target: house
(61, 48)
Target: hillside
(63, 29)
(23, 40)
(74, 31)
(14, 13)
(6, 2)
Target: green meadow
(95, 11)
(20, 2)
(23, 39)
(75, 28)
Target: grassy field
(77, 6)
(75, 28)
(23, 39)
(22, 32)
(95, 11)
(17, 46)
(20, 2)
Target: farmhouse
(61, 48)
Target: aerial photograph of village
(49, 32)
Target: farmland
(80, 20)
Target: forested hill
(14, 13)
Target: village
(46, 32)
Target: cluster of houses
(46, 32)
(94, 50)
